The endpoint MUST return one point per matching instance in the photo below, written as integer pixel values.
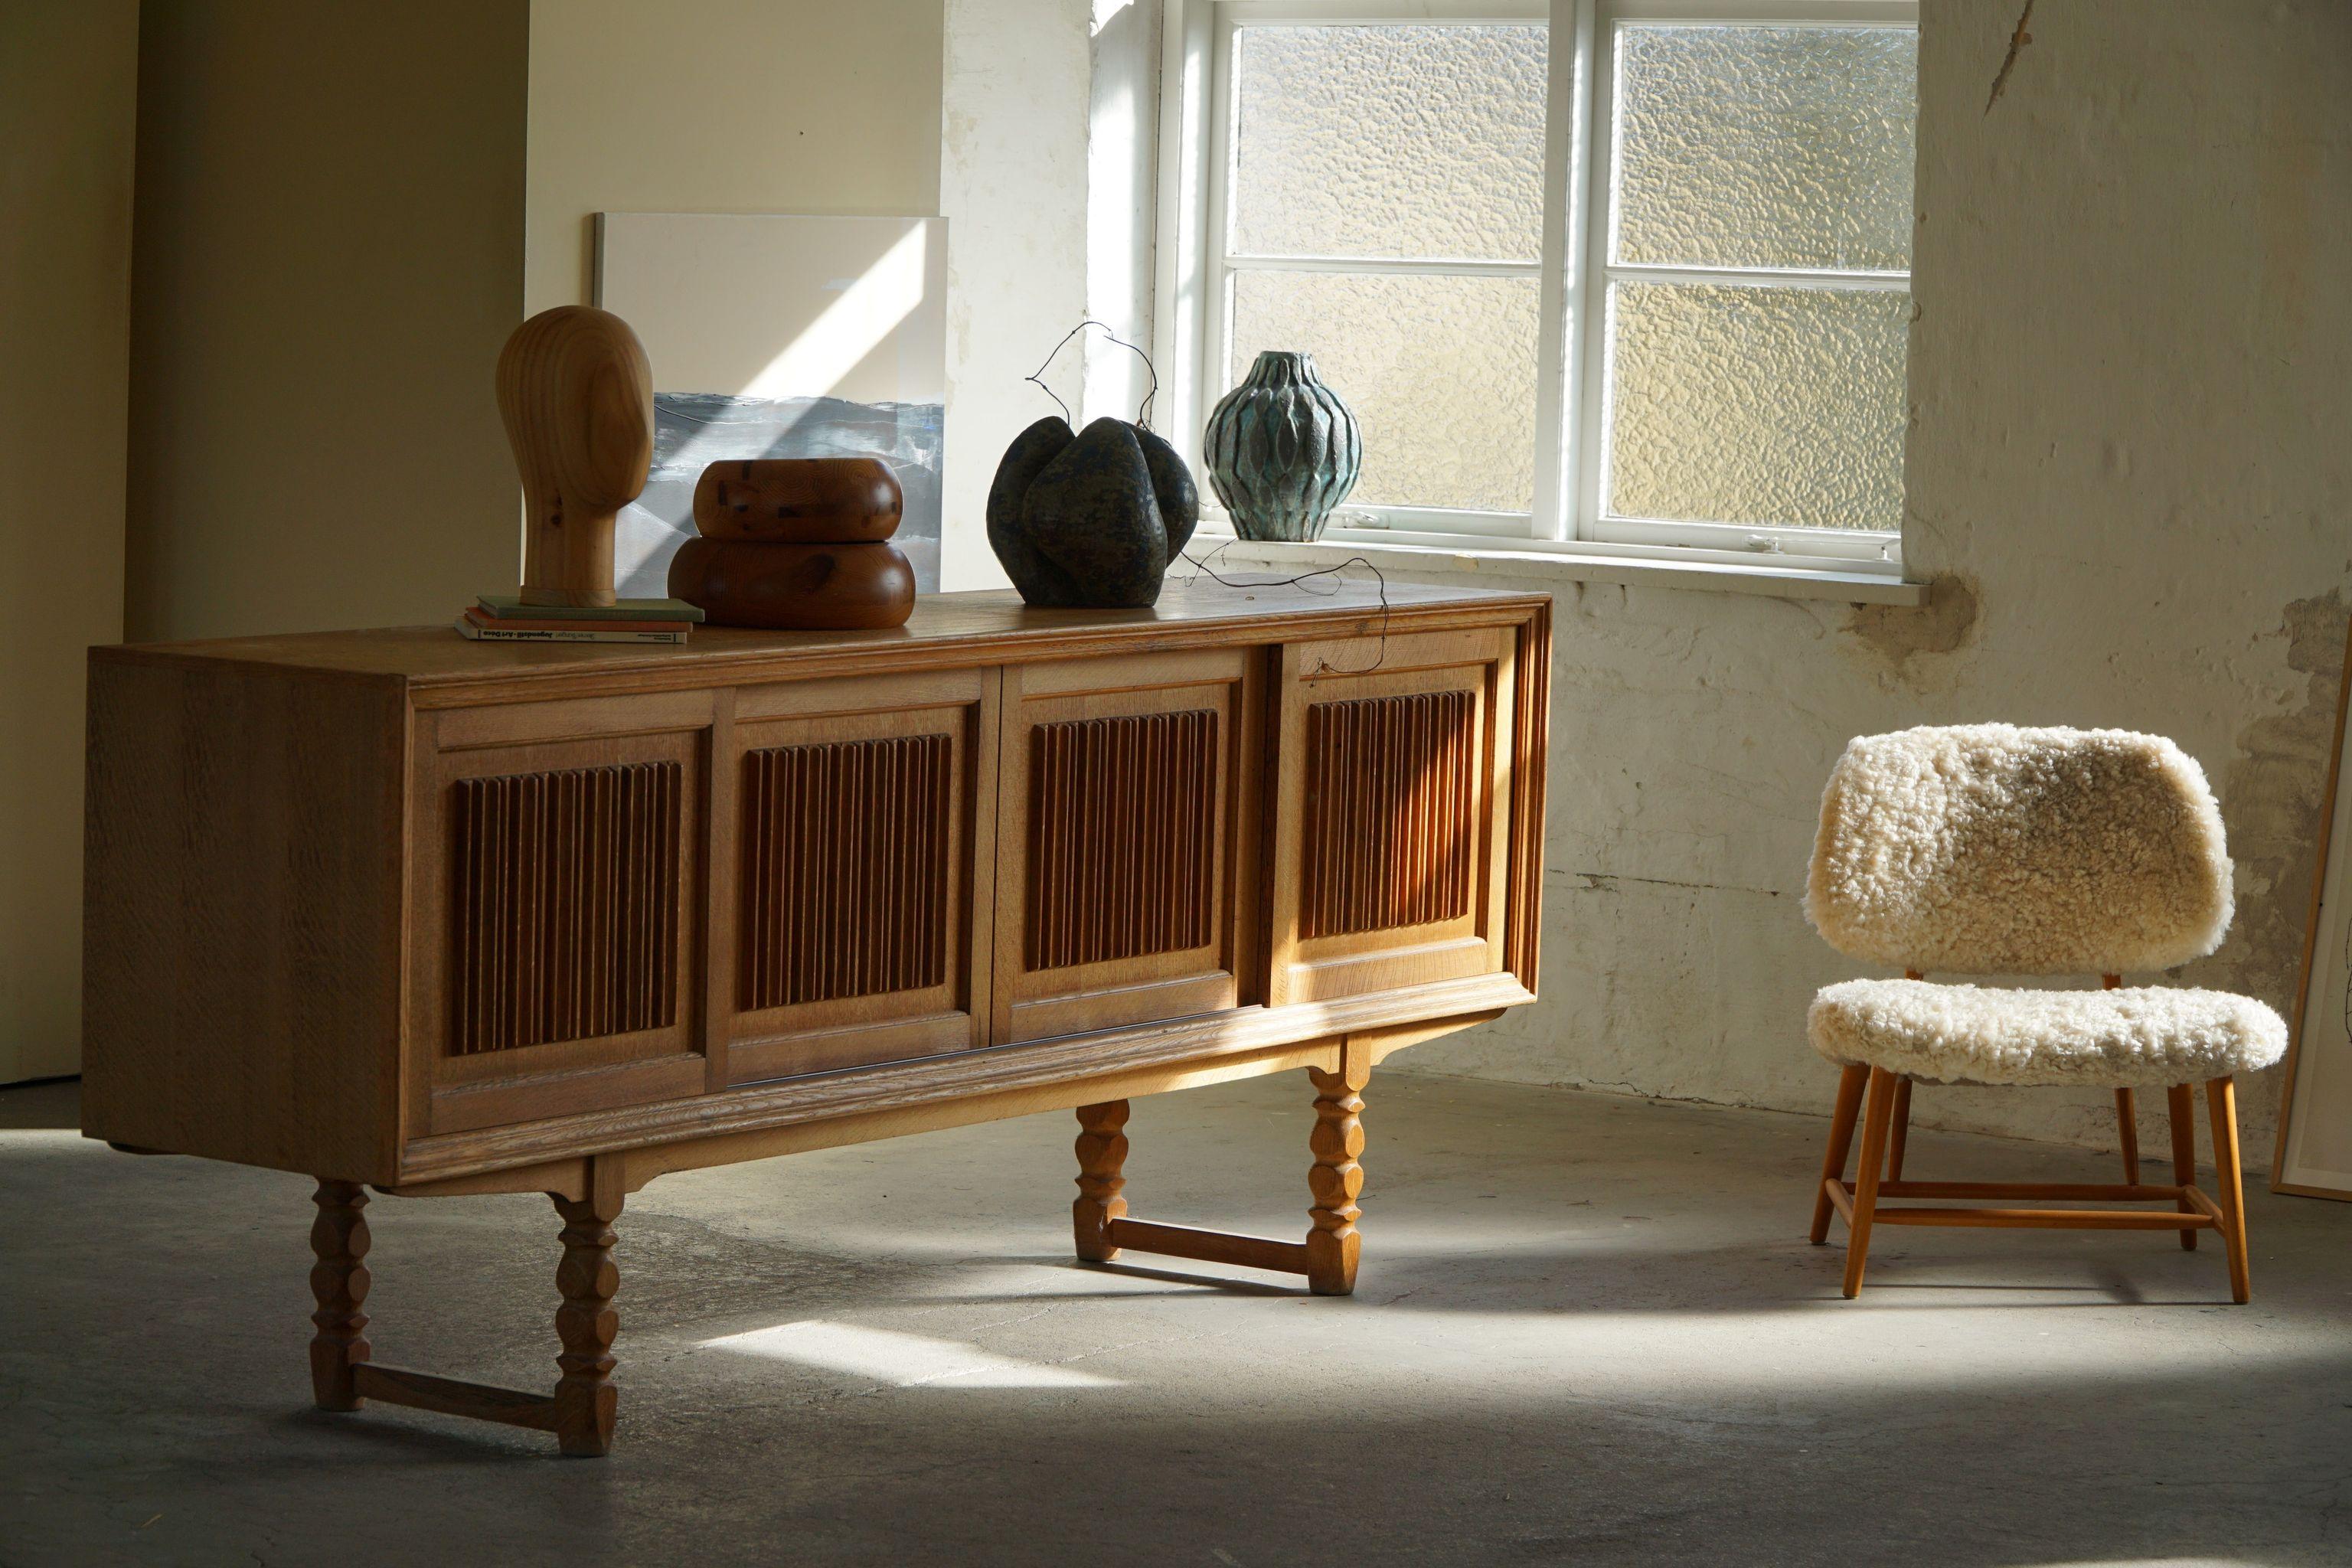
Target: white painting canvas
(2314, 1146)
(780, 336)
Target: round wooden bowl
(800, 500)
(794, 587)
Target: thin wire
(1201, 568)
(1142, 414)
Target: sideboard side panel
(242, 926)
(1530, 771)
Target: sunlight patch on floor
(44, 1140)
(899, 1359)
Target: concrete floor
(1587, 1329)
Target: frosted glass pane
(1765, 146)
(1756, 405)
(1441, 373)
(1388, 141)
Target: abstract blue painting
(776, 335)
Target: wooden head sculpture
(577, 395)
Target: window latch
(1764, 543)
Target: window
(1627, 277)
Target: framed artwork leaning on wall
(2314, 1133)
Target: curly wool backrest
(1988, 849)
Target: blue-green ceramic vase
(1282, 449)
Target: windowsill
(1550, 567)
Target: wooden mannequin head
(577, 395)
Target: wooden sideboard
(400, 910)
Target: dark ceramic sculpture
(1093, 519)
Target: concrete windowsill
(1551, 568)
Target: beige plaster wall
(69, 73)
(328, 255)
(788, 106)
(2131, 383)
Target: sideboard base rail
(794, 1115)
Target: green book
(511, 604)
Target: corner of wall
(1012, 187)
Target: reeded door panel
(861, 876)
(1393, 779)
(559, 869)
(1128, 879)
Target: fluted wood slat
(565, 905)
(1122, 837)
(844, 870)
(1390, 828)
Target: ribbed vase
(1282, 449)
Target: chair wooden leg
(1875, 1125)
(1841, 1120)
(1102, 1159)
(2127, 1130)
(2221, 1099)
(1898, 1137)
(2180, 1105)
(338, 1283)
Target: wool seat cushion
(2134, 1036)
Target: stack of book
(504, 618)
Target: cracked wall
(2131, 378)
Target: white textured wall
(1122, 185)
(1016, 82)
(2131, 381)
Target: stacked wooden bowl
(796, 544)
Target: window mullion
(1757, 276)
(1216, 302)
(1561, 305)
(1590, 370)
(1383, 266)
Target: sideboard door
(558, 883)
(856, 926)
(1128, 885)
(1393, 807)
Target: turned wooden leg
(585, 1401)
(2127, 1129)
(1102, 1156)
(1841, 1120)
(2181, 1106)
(1875, 1123)
(2221, 1099)
(339, 1281)
(1336, 1180)
(1898, 1137)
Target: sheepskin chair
(1991, 849)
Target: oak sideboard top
(440, 668)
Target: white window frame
(1191, 319)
